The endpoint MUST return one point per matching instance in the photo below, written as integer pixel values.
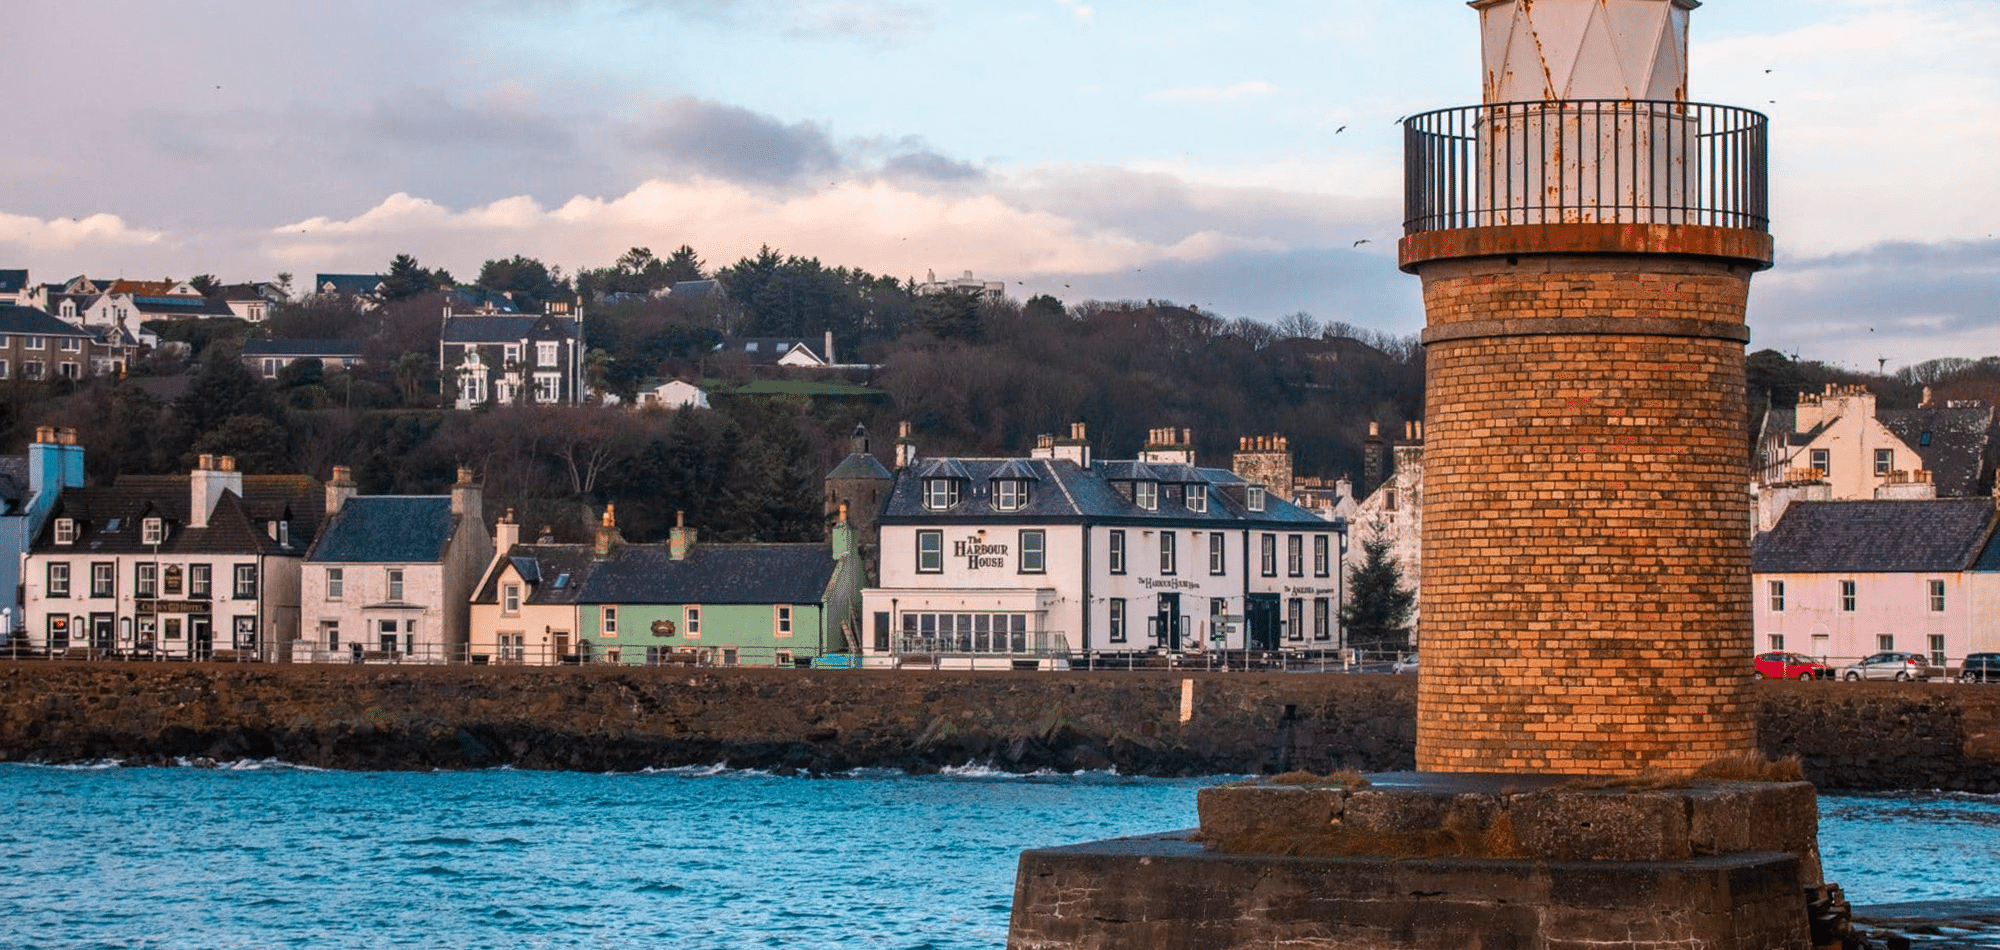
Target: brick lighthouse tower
(1586, 238)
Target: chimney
(506, 533)
(842, 535)
(45, 463)
(857, 444)
(548, 535)
(680, 541)
(1372, 461)
(1265, 460)
(607, 534)
(906, 447)
(1076, 448)
(1926, 404)
(1169, 446)
(466, 497)
(72, 458)
(211, 478)
(829, 348)
(339, 489)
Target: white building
(1028, 561)
(1837, 445)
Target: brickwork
(1585, 605)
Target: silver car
(1407, 664)
(1891, 665)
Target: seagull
(1767, 70)
(1360, 242)
(1340, 130)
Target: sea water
(268, 855)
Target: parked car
(1891, 665)
(1407, 664)
(1779, 665)
(1980, 668)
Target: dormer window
(1010, 494)
(152, 531)
(65, 531)
(1197, 498)
(1146, 495)
(940, 493)
(1254, 498)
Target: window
(510, 354)
(103, 579)
(71, 344)
(1295, 555)
(1295, 629)
(510, 599)
(1886, 641)
(1254, 498)
(146, 581)
(546, 353)
(1270, 555)
(1937, 649)
(1218, 554)
(1777, 599)
(1322, 564)
(1322, 619)
(781, 620)
(58, 579)
(68, 370)
(152, 531)
(1117, 620)
(329, 634)
(1197, 498)
(200, 580)
(336, 583)
(245, 633)
(3, 369)
(930, 552)
(1117, 552)
(33, 342)
(691, 622)
(548, 387)
(1847, 598)
(1822, 462)
(1937, 596)
(1034, 551)
(246, 582)
(1010, 494)
(33, 369)
(1885, 459)
(940, 493)
(609, 627)
(1777, 641)
(395, 583)
(1146, 495)
(1169, 557)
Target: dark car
(1780, 665)
(1980, 668)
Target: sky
(1244, 158)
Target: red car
(1789, 666)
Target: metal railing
(1605, 161)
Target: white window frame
(336, 583)
(1937, 596)
(1849, 596)
(1885, 461)
(1777, 591)
(1117, 626)
(104, 579)
(243, 582)
(71, 344)
(146, 580)
(58, 579)
(510, 599)
(1253, 498)
(152, 531)
(607, 621)
(548, 387)
(781, 621)
(1821, 460)
(940, 493)
(1268, 552)
(1010, 494)
(1322, 556)
(1146, 495)
(33, 343)
(65, 531)
(691, 621)
(1197, 498)
(1295, 555)
(201, 581)
(548, 353)
(392, 584)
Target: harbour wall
(1849, 735)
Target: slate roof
(1875, 537)
(13, 483)
(696, 288)
(13, 281)
(1952, 442)
(108, 518)
(713, 574)
(387, 529)
(181, 307)
(351, 284)
(469, 328)
(482, 299)
(541, 565)
(769, 349)
(859, 465)
(30, 321)
(1065, 492)
(338, 349)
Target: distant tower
(1586, 239)
(862, 484)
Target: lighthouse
(1586, 237)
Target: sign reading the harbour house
(978, 553)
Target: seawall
(1850, 735)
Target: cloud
(1083, 12)
(1256, 87)
(30, 235)
(730, 142)
(1903, 301)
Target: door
(201, 637)
(103, 632)
(1167, 622)
(1260, 614)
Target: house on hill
(267, 358)
(15, 288)
(491, 359)
(1837, 445)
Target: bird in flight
(1360, 242)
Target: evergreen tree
(1378, 607)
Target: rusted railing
(1610, 161)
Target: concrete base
(1430, 862)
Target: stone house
(181, 566)
(389, 578)
(524, 609)
(508, 359)
(1838, 580)
(37, 346)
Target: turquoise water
(275, 856)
